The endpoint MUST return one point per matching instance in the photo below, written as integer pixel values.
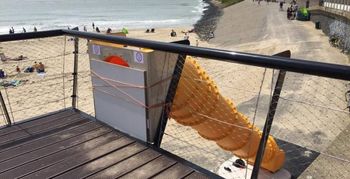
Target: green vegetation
(226, 3)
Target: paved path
(310, 113)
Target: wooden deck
(67, 145)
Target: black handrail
(30, 35)
(293, 65)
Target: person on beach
(35, 66)
(109, 30)
(186, 37)
(24, 30)
(18, 70)
(35, 29)
(98, 30)
(173, 33)
(2, 74)
(93, 26)
(10, 31)
(13, 30)
(41, 68)
(85, 30)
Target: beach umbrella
(125, 30)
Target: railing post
(4, 109)
(75, 72)
(170, 96)
(269, 118)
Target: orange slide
(199, 104)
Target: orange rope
(134, 100)
(123, 84)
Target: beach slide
(199, 104)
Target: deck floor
(67, 145)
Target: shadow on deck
(66, 144)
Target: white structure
(130, 99)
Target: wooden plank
(36, 122)
(104, 162)
(152, 168)
(80, 159)
(45, 141)
(176, 171)
(11, 137)
(52, 159)
(127, 165)
(37, 154)
(196, 175)
(58, 133)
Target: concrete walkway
(311, 112)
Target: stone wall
(333, 24)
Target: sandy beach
(262, 30)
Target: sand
(246, 27)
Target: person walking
(281, 5)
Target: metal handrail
(294, 65)
(287, 64)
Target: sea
(115, 14)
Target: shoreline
(208, 22)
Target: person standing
(24, 30)
(85, 28)
(18, 70)
(93, 26)
(186, 37)
(35, 30)
(211, 34)
(109, 30)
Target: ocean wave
(132, 24)
(172, 15)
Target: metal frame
(335, 71)
(294, 65)
(4, 109)
(269, 117)
(75, 73)
(170, 95)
